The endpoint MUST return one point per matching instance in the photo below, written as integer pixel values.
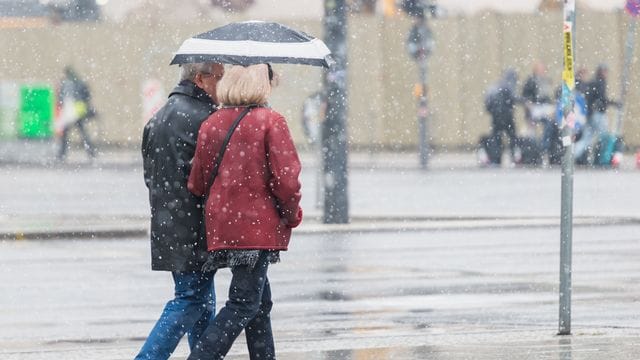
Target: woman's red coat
(254, 200)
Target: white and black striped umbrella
(254, 42)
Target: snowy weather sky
(117, 9)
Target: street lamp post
(334, 133)
(419, 45)
(566, 210)
(423, 109)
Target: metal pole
(423, 48)
(628, 56)
(566, 211)
(420, 44)
(334, 134)
(319, 177)
(423, 111)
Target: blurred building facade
(54, 11)
(471, 51)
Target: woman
(252, 206)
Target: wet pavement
(456, 262)
(109, 196)
(439, 294)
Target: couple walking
(204, 217)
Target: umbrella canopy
(254, 42)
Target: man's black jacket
(177, 232)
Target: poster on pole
(568, 73)
(633, 7)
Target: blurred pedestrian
(75, 109)
(252, 207)
(582, 83)
(500, 103)
(597, 104)
(178, 241)
(537, 94)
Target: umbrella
(254, 42)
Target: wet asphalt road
(467, 293)
(473, 294)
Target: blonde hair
(244, 85)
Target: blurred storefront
(118, 57)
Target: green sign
(35, 116)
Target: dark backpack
(83, 92)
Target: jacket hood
(189, 88)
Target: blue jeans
(64, 139)
(549, 130)
(248, 308)
(596, 126)
(190, 312)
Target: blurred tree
(233, 5)
(22, 8)
(363, 6)
(74, 10)
(550, 5)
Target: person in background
(537, 94)
(556, 149)
(597, 104)
(252, 207)
(178, 241)
(75, 109)
(582, 83)
(500, 103)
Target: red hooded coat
(254, 200)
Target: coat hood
(189, 88)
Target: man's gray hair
(188, 71)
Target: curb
(73, 234)
(453, 224)
(359, 225)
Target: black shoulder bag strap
(233, 127)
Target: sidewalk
(42, 153)
(384, 174)
(451, 263)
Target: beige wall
(470, 54)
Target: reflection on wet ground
(490, 294)
(560, 350)
(564, 347)
(473, 294)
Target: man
(597, 104)
(537, 88)
(178, 241)
(500, 103)
(76, 109)
(537, 94)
